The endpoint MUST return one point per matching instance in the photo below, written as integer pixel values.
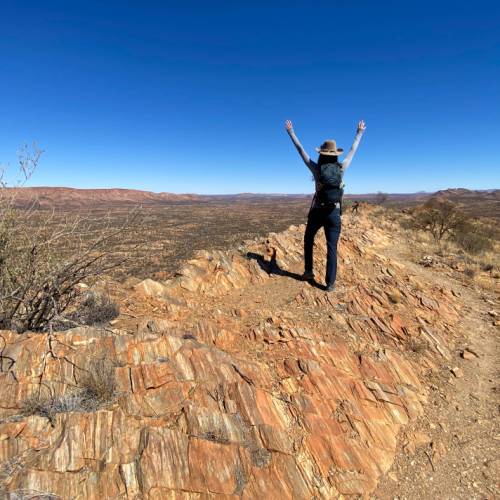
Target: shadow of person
(272, 267)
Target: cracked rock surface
(235, 379)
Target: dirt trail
(458, 456)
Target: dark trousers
(329, 220)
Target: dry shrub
(96, 309)
(469, 272)
(378, 212)
(38, 404)
(98, 383)
(450, 228)
(407, 223)
(38, 275)
(417, 346)
(487, 267)
(473, 237)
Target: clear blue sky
(191, 96)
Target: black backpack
(330, 179)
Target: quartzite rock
(219, 396)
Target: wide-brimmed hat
(329, 148)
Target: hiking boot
(308, 276)
(330, 288)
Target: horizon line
(241, 193)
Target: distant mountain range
(73, 198)
(485, 203)
(65, 197)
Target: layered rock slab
(237, 380)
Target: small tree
(440, 218)
(381, 198)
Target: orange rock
(218, 395)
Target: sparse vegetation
(469, 272)
(38, 274)
(439, 218)
(472, 237)
(157, 240)
(98, 384)
(96, 388)
(95, 309)
(417, 346)
(439, 232)
(381, 198)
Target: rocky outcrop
(233, 379)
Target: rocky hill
(484, 203)
(234, 379)
(73, 198)
(70, 198)
(476, 203)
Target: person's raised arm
(361, 130)
(298, 145)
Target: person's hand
(288, 125)
(361, 126)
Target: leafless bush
(38, 276)
(38, 404)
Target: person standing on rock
(325, 209)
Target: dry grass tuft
(96, 309)
(98, 384)
(96, 389)
(417, 346)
